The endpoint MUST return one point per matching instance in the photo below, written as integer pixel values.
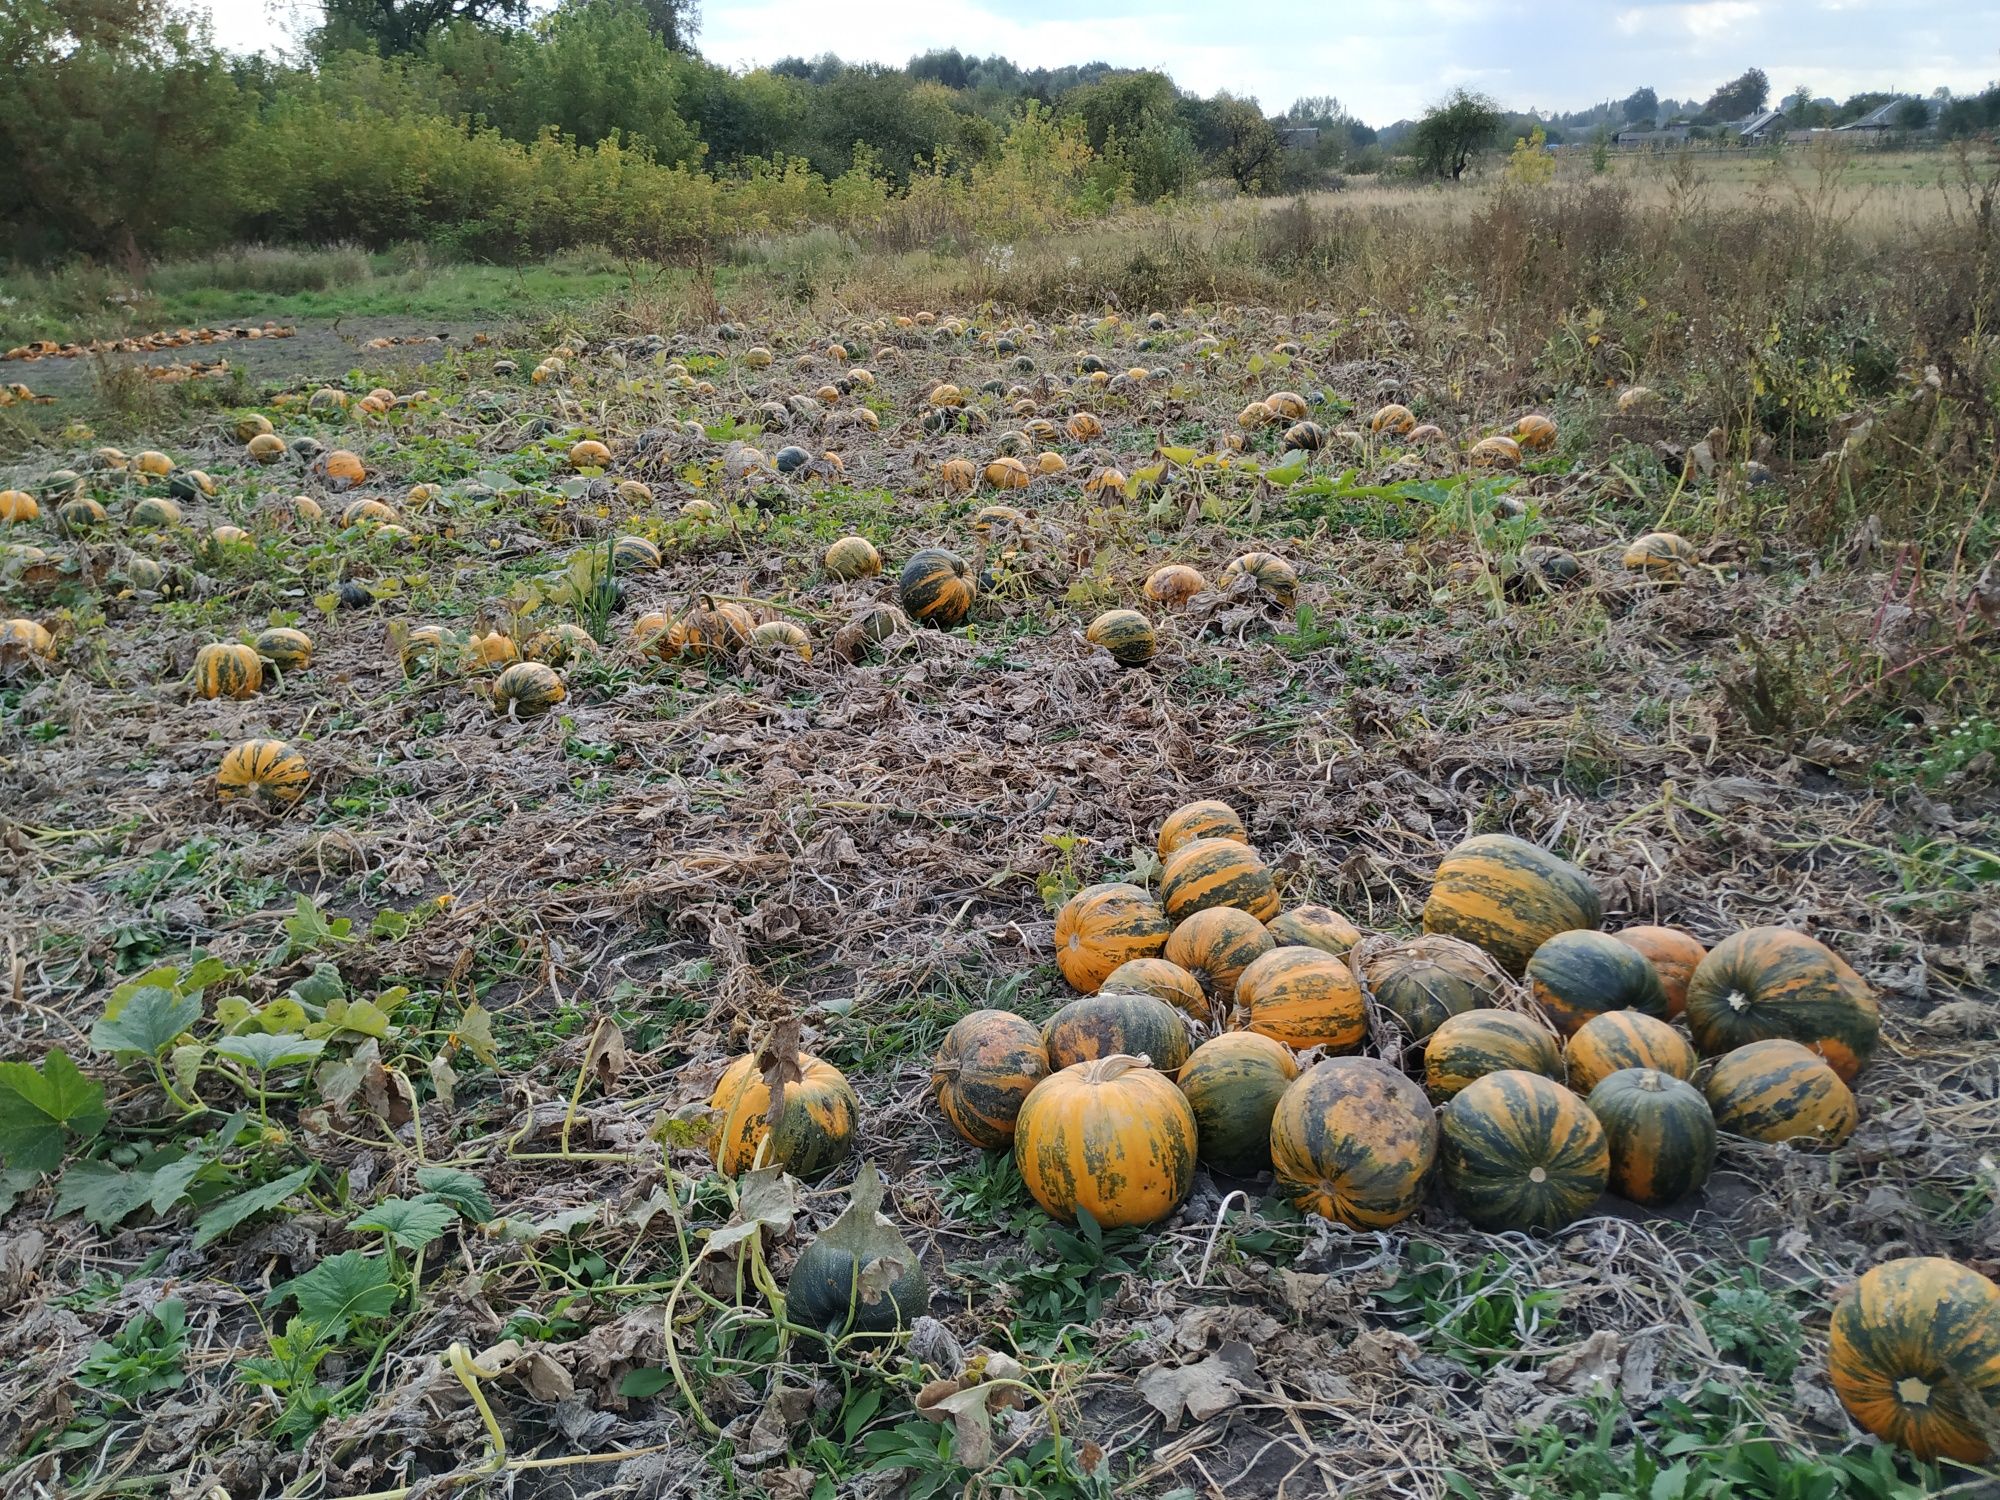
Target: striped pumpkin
(712, 628)
(1621, 1039)
(269, 772)
(291, 650)
(1216, 946)
(937, 588)
(1112, 1138)
(984, 1071)
(527, 688)
(1125, 633)
(1318, 927)
(1915, 1357)
(227, 669)
(814, 1127)
(432, 647)
(1772, 982)
(1233, 1083)
(1523, 1152)
(1303, 998)
(1103, 926)
(1426, 980)
(853, 557)
(1172, 586)
(1163, 980)
(1395, 419)
(1353, 1140)
(1495, 453)
(1661, 1133)
(560, 644)
(1661, 555)
(1287, 406)
(1580, 974)
(1468, 1046)
(1107, 1025)
(781, 638)
(1675, 955)
(1217, 872)
(1276, 578)
(1509, 897)
(1304, 437)
(1002, 518)
(1200, 820)
(634, 554)
(1778, 1090)
(1535, 432)
(156, 510)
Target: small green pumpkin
(1660, 1131)
(858, 1275)
(1125, 633)
(1233, 1083)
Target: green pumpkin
(1580, 974)
(1105, 1025)
(937, 588)
(858, 1276)
(1661, 1134)
(1523, 1152)
(1233, 1082)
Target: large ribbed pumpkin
(527, 688)
(1276, 578)
(1523, 1152)
(1303, 998)
(1660, 1131)
(814, 1128)
(1163, 980)
(1103, 926)
(1318, 927)
(1113, 1138)
(1217, 872)
(269, 772)
(853, 557)
(1200, 820)
(1621, 1039)
(985, 1069)
(1125, 633)
(937, 588)
(1216, 946)
(1426, 980)
(1773, 982)
(1509, 897)
(1675, 955)
(228, 669)
(1105, 1025)
(1580, 974)
(1780, 1090)
(1352, 1140)
(1468, 1046)
(1234, 1082)
(1915, 1357)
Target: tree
(395, 28)
(673, 21)
(1452, 132)
(1242, 141)
(1640, 104)
(1913, 114)
(1737, 99)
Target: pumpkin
(858, 1276)
(1426, 980)
(1621, 1039)
(781, 637)
(1495, 453)
(1675, 956)
(1535, 433)
(1353, 1140)
(1660, 1131)
(1395, 419)
(1276, 578)
(634, 493)
(634, 552)
(560, 644)
(813, 1128)
(1318, 927)
(27, 637)
(1286, 406)
(791, 458)
(1105, 1025)
(853, 557)
(18, 505)
(527, 688)
(1217, 872)
(1125, 633)
(266, 448)
(225, 537)
(1773, 982)
(937, 588)
(1172, 586)
(494, 649)
(1106, 479)
(990, 518)
(1304, 437)
(757, 357)
(269, 772)
(712, 628)
(1509, 897)
(251, 425)
(1007, 474)
(1523, 1152)
(1163, 980)
(1233, 1083)
(1256, 415)
(1084, 427)
(152, 464)
(78, 515)
(1200, 820)
(368, 512)
(699, 509)
(290, 650)
(1050, 463)
(958, 474)
(156, 510)
(1915, 1357)
(1303, 998)
(343, 470)
(145, 572)
(653, 635)
(984, 1070)
(1104, 926)
(1112, 1138)
(300, 508)
(227, 669)
(1661, 555)
(1468, 1046)
(1778, 1090)
(1216, 946)
(1579, 974)
(431, 646)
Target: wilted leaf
(1203, 1389)
(474, 1032)
(606, 1057)
(765, 1199)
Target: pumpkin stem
(778, 1062)
(1116, 1066)
(1913, 1392)
(1737, 1000)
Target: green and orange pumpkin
(289, 649)
(1200, 820)
(1125, 633)
(1105, 1025)
(1303, 998)
(1112, 1138)
(527, 688)
(1579, 974)
(1780, 1090)
(1675, 955)
(1172, 585)
(1353, 1140)
(1103, 926)
(1915, 1357)
(1163, 980)
(228, 669)
(1216, 946)
(1233, 1083)
(809, 1133)
(937, 588)
(1468, 1046)
(268, 772)
(1660, 1131)
(1426, 980)
(1523, 1152)
(1509, 897)
(853, 557)
(1276, 579)
(1318, 927)
(987, 1065)
(1217, 872)
(1772, 982)
(1622, 1039)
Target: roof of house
(1882, 117)
(1758, 123)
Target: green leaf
(146, 1023)
(232, 1211)
(40, 1110)
(361, 1017)
(474, 1032)
(342, 1289)
(408, 1223)
(319, 988)
(14, 1181)
(105, 1195)
(462, 1190)
(264, 1050)
(647, 1380)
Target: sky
(1383, 62)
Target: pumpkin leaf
(408, 1223)
(461, 1189)
(232, 1211)
(968, 1403)
(145, 1023)
(14, 1181)
(265, 1050)
(341, 1290)
(870, 1236)
(766, 1199)
(41, 1108)
(474, 1032)
(1202, 1390)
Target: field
(356, 1145)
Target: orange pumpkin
(1163, 980)
(1353, 1140)
(1172, 586)
(989, 1063)
(1216, 946)
(1111, 1137)
(1675, 955)
(1619, 1039)
(1103, 926)
(1217, 872)
(1200, 820)
(1773, 982)
(1915, 1357)
(1303, 998)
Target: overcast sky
(1385, 61)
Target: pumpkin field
(1181, 898)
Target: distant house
(1303, 138)
(1885, 118)
(1760, 127)
(1665, 135)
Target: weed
(148, 1355)
(1470, 1314)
